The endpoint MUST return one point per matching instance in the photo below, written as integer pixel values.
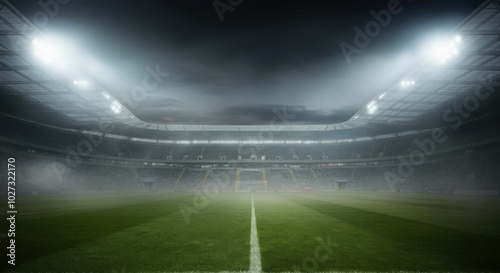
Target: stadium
(408, 181)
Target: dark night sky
(265, 54)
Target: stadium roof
(52, 87)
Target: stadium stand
(222, 178)
(361, 150)
(469, 171)
(191, 179)
(280, 179)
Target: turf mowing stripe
(436, 248)
(255, 264)
(119, 203)
(422, 205)
(84, 226)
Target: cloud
(257, 114)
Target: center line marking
(255, 264)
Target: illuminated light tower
(81, 83)
(446, 51)
(43, 51)
(371, 107)
(407, 83)
(116, 107)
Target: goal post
(149, 183)
(249, 186)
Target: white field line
(255, 264)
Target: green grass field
(147, 232)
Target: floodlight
(43, 50)
(116, 107)
(371, 107)
(372, 110)
(80, 83)
(444, 51)
(407, 83)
